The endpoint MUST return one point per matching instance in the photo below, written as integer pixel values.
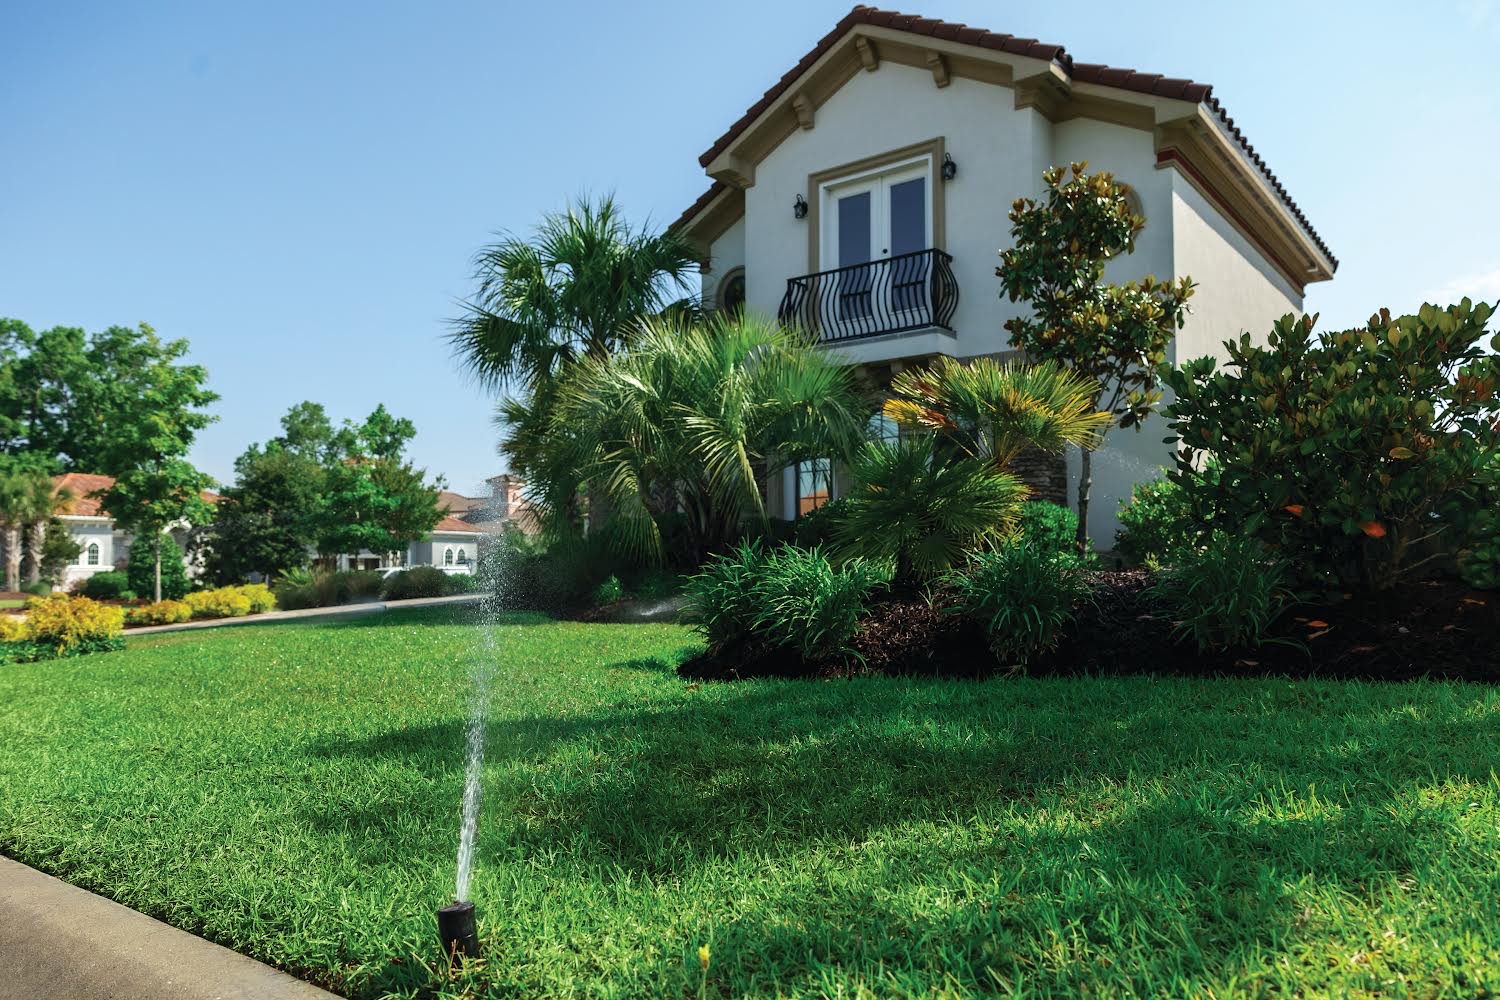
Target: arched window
(447, 557)
(91, 557)
(882, 428)
(463, 557)
(732, 292)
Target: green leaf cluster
(1339, 450)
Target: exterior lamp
(799, 207)
(950, 169)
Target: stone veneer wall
(1045, 473)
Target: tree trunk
(38, 532)
(1085, 485)
(12, 557)
(157, 596)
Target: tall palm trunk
(36, 535)
(12, 556)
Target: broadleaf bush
(165, 612)
(69, 625)
(1337, 451)
(1156, 524)
(106, 586)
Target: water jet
(457, 930)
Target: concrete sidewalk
(58, 942)
(338, 611)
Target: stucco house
(103, 546)
(865, 197)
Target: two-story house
(865, 197)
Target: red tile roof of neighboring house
(84, 487)
(1108, 76)
(451, 523)
(457, 503)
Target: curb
(305, 614)
(62, 941)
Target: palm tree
(574, 290)
(26, 497)
(689, 420)
(995, 410)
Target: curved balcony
(911, 291)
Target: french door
(876, 227)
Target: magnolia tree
(1115, 335)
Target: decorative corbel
(803, 105)
(868, 57)
(939, 67)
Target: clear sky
(297, 188)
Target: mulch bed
(1434, 628)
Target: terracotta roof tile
(451, 523)
(1125, 79)
(84, 487)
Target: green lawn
(292, 791)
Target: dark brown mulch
(1434, 628)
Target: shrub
(804, 604)
(225, 602)
(140, 567)
(610, 591)
(260, 596)
(1155, 524)
(565, 575)
(924, 511)
(1479, 563)
(1023, 596)
(70, 625)
(722, 602)
(786, 597)
(419, 581)
(1337, 452)
(38, 588)
(298, 589)
(107, 586)
(1225, 594)
(1048, 526)
(160, 613)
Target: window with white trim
(463, 557)
(814, 484)
(91, 554)
(447, 557)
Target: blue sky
(298, 188)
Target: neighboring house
(455, 542)
(865, 196)
(463, 535)
(103, 547)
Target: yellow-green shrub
(13, 629)
(226, 602)
(261, 598)
(65, 621)
(161, 613)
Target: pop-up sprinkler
(456, 928)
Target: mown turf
(292, 791)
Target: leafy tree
(306, 431)
(1115, 335)
(268, 521)
(575, 289)
(1341, 452)
(56, 553)
(141, 567)
(373, 498)
(96, 403)
(150, 498)
(686, 422)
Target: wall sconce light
(799, 207)
(950, 169)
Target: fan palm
(995, 410)
(923, 510)
(575, 289)
(26, 499)
(689, 420)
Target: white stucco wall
(1001, 153)
(994, 145)
(724, 255)
(84, 532)
(1238, 289)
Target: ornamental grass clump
(784, 598)
(1226, 594)
(1023, 595)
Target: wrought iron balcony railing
(911, 291)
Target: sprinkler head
(456, 928)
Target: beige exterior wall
(724, 255)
